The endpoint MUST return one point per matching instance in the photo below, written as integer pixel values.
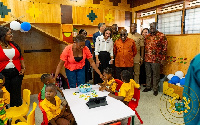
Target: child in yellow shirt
(126, 91)
(47, 79)
(109, 83)
(51, 104)
(4, 100)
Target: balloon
(26, 26)
(182, 81)
(23, 30)
(170, 76)
(169, 81)
(175, 79)
(180, 74)
(15, 25)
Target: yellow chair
(16, 113)
(31, 117)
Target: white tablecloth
(115, 110)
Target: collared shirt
(6, 96)
(115, 37)
(124, 52)
(127, 90)
(51, 110)
(68, 57)
(155, 47)
(103, 45)
(139, 42)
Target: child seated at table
(126, 91)
(4, 100)
(47, 79)
(109, 83)
(51, 104)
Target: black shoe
(146, 90)
(155, 93)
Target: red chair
(133, 105)
(117, 123)
(119, 84)
(45, 120)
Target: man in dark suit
(101, 27)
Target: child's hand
(62, 94)
(139, 88)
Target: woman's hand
(98, 62)
(21, 72)
(111, 61)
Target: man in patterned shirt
(155, 54)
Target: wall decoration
(109, 17)
(34, 12)
(14, 25)
(25, 26)
(115, 2)
(67, 37)
(96, 1)
(3, 10)
(92, 16)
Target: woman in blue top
(88, 73)
(192, 91)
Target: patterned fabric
(111, 86)
(3, 117)
(155, 47)
(115, 37)
(127, 90)
(124, 52)
(51, 110)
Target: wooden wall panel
(181, 46)
(51, 28)
(151, 4)
(105, 4)
(80, 16)
(19, 8)
(38, 62)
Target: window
(192, 21)
(170, 23)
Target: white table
(115, 110)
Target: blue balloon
(169, 81)
(182, 81)
(175, 79)
(26, 26)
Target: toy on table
(84, 88)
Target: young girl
(47, 79)
(4, 100)
(109, 83)
(51, 104)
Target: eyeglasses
(10, 34)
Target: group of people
(126, 51)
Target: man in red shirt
(125, 51)
(155, 54)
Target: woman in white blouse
(104, 52)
